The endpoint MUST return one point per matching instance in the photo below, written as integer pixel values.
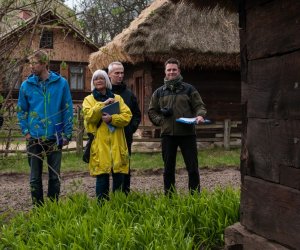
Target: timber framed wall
(270, 56)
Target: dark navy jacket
(131, 101)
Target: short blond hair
(41, 56)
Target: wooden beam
(271, 210)
(273, 28)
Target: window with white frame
(76, 77)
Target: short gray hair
(100, 73)
(111, 65)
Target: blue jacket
(42, 104)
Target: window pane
(47, 40)
(76, 77)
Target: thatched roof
(228, 4)
(208, 38)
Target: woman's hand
(109, 101)
(106, 118)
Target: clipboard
(113, 108)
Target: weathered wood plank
(273, 28)
(232, 135)
(159, 139)
(254, 3)
(237, 237)
(272, 145)
(227, 129)
(273, 87)
(271, 210)
(290, 176)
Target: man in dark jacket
(173, 100)
(116, 74)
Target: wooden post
(8, 142)
(79, 137)
(227, 128)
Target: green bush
(138, 221)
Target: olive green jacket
(185, 101)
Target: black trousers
(188, 147)
(127, 177)
(102, 185)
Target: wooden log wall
(270, 52)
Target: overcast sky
(70, 3)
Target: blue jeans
(36, 150)
(102, 185)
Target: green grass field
(138, 221)
(211, 158)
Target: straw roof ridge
(208, 37)
(199, 4)
(182, 28)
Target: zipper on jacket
(44, 91)
(173, 122)
(45, 106)
(46, 98)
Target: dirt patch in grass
(15, 192)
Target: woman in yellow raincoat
(109, 153)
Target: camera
(166, 112)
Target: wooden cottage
(207, 44)
(270, 159)
(52, 29)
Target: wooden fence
(223, 133)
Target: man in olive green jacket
(173, 100)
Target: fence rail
(225, 132)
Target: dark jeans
(102, 185)
(36, 150)
(188, 147)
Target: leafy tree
(102, 20)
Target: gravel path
(15, 193)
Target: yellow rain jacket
(109, 149)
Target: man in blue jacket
(45, 113)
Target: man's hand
(65, 141)
(199, 119)
(27, 136)
(106, 118)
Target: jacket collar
(34, 79)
